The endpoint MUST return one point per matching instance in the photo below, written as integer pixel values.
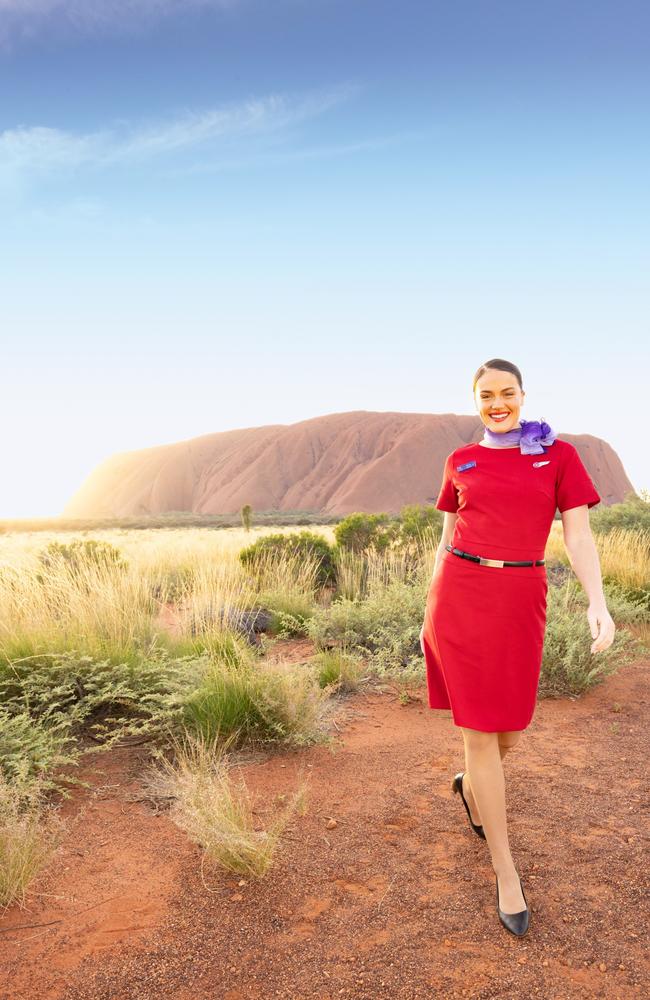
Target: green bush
(633, 512)
(568, 666)
(49, 700)
(418, 522)
(30, 748)
(360, 532)
(79, 554)
(414, 525)
(294, 544)
(384, 627)
(288, 624)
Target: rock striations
(343, 462)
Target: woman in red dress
(483, 630)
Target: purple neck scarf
(530, 436)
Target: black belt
(493, 562)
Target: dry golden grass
(28, 839)
(624, 554)
(214, 810)
(113, 611)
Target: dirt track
(397, 900)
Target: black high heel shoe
(516, 923)
(457, 788)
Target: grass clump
(87, 606)
(29, 836)
(216, 812)
(273, 703)
(337, 670)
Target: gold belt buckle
(491, 562)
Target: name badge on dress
(467, 465)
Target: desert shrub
(49, 700)
(79, 554)
(419, 523)
(295, 545)
(360, 532)
(633, 512)
(384, 627)
(627, 605)
(30, 747)
(568, 666)
(289, 624)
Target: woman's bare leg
(484, 762)
(507, 740)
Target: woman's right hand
(422, 640)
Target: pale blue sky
(229, 213)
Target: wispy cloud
(283, 156)
(25, 18)
(28, 151)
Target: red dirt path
(398, 900)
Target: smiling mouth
(499, 416)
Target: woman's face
(498, 400)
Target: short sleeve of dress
(574, 485)
(448, 496)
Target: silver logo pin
(536, 465)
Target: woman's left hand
(602, 627)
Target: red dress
(484, 625)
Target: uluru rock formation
(343, 462)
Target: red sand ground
(397, 900)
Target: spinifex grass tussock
(214, 810)
(29, 836)
(113, 610)
(351, 574)
(269, 703)
(337, 670)
(216, 597)
(287, 583)
(277, 594)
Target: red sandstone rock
(343, 462)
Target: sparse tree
(247, 516)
